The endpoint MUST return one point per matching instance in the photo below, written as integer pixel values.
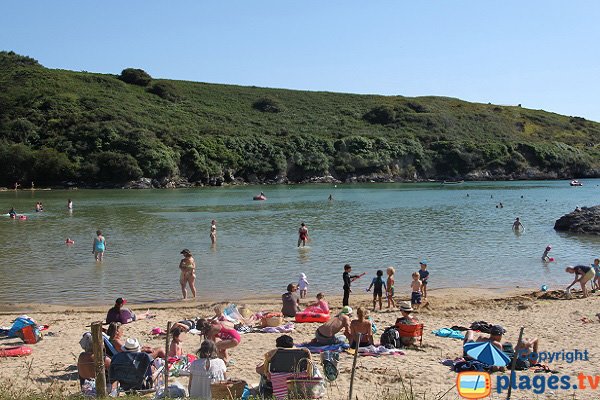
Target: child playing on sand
(302, 285)
(379, 286)
(176, 349)
(389, 293)
(321, 303)
(424, 276)
(416, 285)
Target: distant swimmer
(517, 225)
(99, 246)
(69, 204)
(12, 213)
(545, 256)
(302, 235)
(330, 198)
(213, 232)
(69, 241)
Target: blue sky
(542, 54)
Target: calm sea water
(457, 228)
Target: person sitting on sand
(124, 315)
(176, 349)
(583, 274)
(207, 369)
(495, 337)
(363, 326)
(321, 303)
(291, 301)
(222, 333)
(130, 362)
(85, 361)
(326, 333)
(265, 387)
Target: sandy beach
(558, 324)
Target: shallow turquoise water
(466, 239)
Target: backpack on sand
(390, 338)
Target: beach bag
(26, 329)
(228, 390)
(272, 319)
(302, 386)
(390, 338)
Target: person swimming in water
(302, 235)
(12, 213)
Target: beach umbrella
(486, 353)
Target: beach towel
(319, 349)
(447, 332)
(376, 351)
(287, 328)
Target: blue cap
(423, 261)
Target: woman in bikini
(188, 273)
(363, 326)
(302, 235)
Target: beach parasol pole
(513, 375)
(354, 365)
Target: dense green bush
(135, 76)
(380, 115)
(165, 90)
(267, 104)
(111, 166)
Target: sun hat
(423, 261)
(131, 345)
(346, 310)
(406, 307)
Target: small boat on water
(575, 183)
(452, 182)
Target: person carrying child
(416, 285)
(379, 285)
(389, 292)
(424, 276)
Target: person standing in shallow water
(302, 235)
(187, 265)
(99, 246)
(517, 225)
(213, 232)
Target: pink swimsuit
(229, 334)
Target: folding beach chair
(411, 331)
(286, 363)
(133, 372)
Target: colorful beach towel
(319, 349)
(447, 332)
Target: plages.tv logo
(473, 384)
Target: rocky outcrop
(582, 220)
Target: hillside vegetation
(86, 128)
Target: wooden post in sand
(166, 371)
(98, 359)
(513, 376)
(354, 365)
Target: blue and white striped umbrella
(486, 353)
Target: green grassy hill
(58, 126)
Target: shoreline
(45, 308)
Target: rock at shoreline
(582, 220)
